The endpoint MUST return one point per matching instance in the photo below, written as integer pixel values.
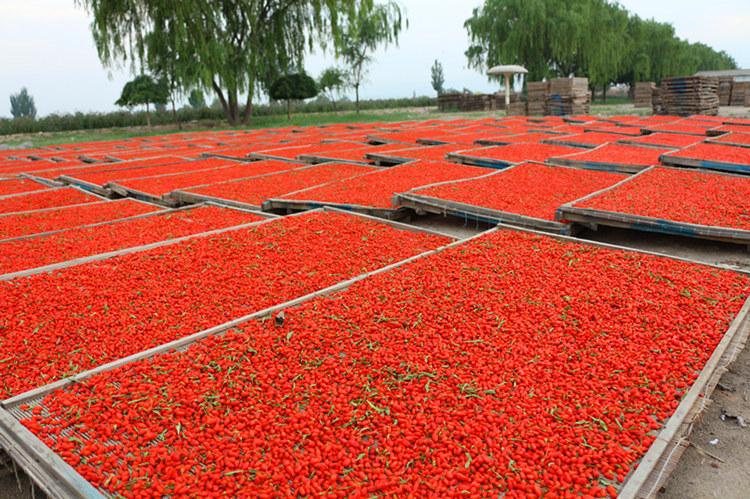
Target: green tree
(143, 91)
(542, 35)
(655, 52)
(438, 77)
(167, 64)
(380, 25)
(603, 59)
(22, 105)
(297, 86)
(594, 38)
(331, 82)
(236, 47)
(196, 99)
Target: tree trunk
(248, 112)
(604, 93)
(333, 101)
(289, 109)
(148, 116)
(174, 115)
(356, 93)
(234, 115)
(222, 99)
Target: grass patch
(277, 121)
(273, 121)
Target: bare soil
(717, 463)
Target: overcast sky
(46, 46)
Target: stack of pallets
(468, 102)
(725, 90)
(537, 97)
(449, 102)
(688, 95)
(644, 94)
(478, 102)
(517, 108)
(569, 96)
(656, 101)
(740, 94)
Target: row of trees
(596, 38)
(237, 48)
(145, 91)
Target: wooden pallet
(426, 204)
(593, 218)
(289, 206)
(644, 94)
(685, 96)
(466, 159)
(673, 160)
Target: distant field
(614, 106)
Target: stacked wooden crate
(499, 99)
(468, 102)
(656, 101)
(688, 95)
(537, 97)
(569, 96)
(449, 102)
(740, 94)
(725, 90)
(478, 102)
(644, 94)
(517, 108)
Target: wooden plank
(596, 165)
(670, 159)
(87, 186)
(477, 213)
(41, 180)
(299, 205)
(593, 217)
(465, 159)
(181, 198)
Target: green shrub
(118, 119)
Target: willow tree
(655, 52)
(594, 38)
(168, 65)
(533, 33)
(605, 56)
(232, 47)
(363, 33)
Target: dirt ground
(716, 465)
(10, 488)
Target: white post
(507, 91)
